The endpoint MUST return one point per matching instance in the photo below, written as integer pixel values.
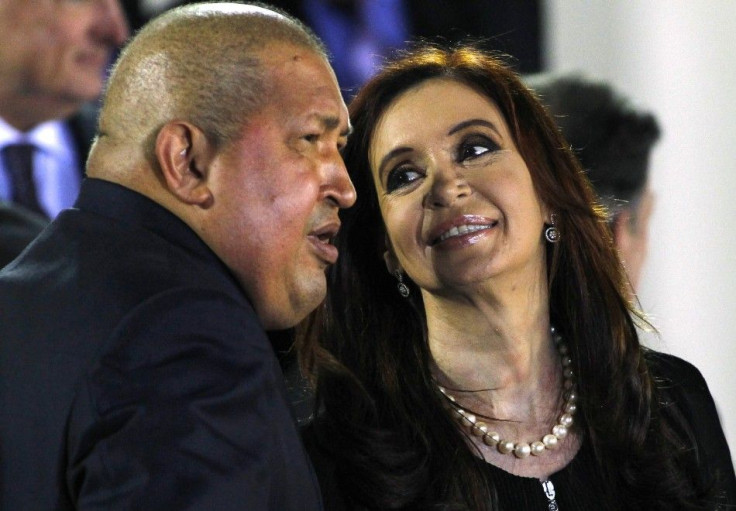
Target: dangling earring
(403, 288)
(552, 233)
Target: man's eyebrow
(332, 122)
(474, 122)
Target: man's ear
(184, 155)
(622, 229)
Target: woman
(477, 350)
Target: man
(53, 55)
(613, 141)
(136, 373)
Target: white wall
(677, 59)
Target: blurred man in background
(53, 57)
(613, 141)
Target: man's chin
(295, 308)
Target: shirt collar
(52, 137)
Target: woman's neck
(498, 360)
(484, 342)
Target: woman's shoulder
(670, 371)
(681, 385)
(683, 392)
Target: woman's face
(456, 196)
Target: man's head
(230, 117)
(613, 141)
(53, 55)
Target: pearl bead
(538, 448)
(568, 373)
(568, 384)
(566, 361)
(479, 428)
(491, 438)
(562, 348)
(522, 450)
(505, 446)
(470, 418)
(550, 441)
(570, 407)
(571, 396)
(560, 431)
(566, 419)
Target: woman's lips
(463, 230)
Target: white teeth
(462, 229)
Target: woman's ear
(392, 264)
(184, 155)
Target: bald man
(136, 373)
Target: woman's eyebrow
(392, 154)
(474, 122)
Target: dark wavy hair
(378, 412)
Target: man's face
(57, 50)
(278, 189)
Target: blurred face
(631, 234)
(58, 49)
(279, 187)
(456, 196)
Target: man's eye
(311, 138)
(401, 177)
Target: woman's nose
(447, 186)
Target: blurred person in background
(53, 59)
(613, 141)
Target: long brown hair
(379, 413)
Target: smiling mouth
(461, 230)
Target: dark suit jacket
(18, 226)
(134, 373)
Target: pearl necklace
(523, 449)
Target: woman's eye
(401, 177)
(311, 138)
(478, 146)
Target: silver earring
(403, 288)
(552, 233)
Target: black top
(134, 373)
(578, 486)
